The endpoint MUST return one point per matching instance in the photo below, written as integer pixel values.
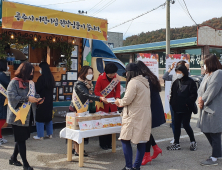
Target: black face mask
(30, 77)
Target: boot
(147, 158)
(156, 151)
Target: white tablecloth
(78, 135)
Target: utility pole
(168, 27)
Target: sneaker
(3, 141)
(37, 138)
(48, 136)
(174, 147)
(172, 141)
(208, 162)
(193, 146)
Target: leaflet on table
(111, 100)
(84, 114)
(86, 125)
(97, 124)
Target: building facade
(189, 46)
(114, 40)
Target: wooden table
(78, 136)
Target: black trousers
(105, 140)
(215, 142)
(149, 143)
(185, 119)
(20, 147)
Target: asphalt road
(50, 154)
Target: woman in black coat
(4, 81)
(44, 87)
(81, 88)
(183, 97)
(158, 117)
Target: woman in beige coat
(136, 120)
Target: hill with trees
(176, 33)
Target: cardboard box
(109, 116)
(72, 121)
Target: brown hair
(212, 63)
(24, 71)
(83, 72)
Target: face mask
(31, 77)
(89, 76)
(205, 68)
(179, 76)
(7, 68)
(40, 71)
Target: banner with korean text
(36, 19)
(170, 59)
(151, 61)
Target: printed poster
(75, 51)
(71, 76)
(74, 65)
(151, 61)
(169, 61)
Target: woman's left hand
(41, 101)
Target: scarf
(89, 84)
(21, 82)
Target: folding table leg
(69, 150)
(81, 153)
(113, 142)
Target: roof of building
(156, 45)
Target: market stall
(55, 37)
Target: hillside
(176, 33)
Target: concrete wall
(115, 38)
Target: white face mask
(205, 67)
(40, 71)
(179, 76)
(89, 76)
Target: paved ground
(50, 154)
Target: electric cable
(189, 13)
(63, 2)
(95, 5)
(128, 28)
(104, 7)
(139, 16)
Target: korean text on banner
(170, 59)
(151, 61)
(36, 19)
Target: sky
(119, 11)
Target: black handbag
(195, 109)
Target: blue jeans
(172, 117)
(40, 128)
(128, 153)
